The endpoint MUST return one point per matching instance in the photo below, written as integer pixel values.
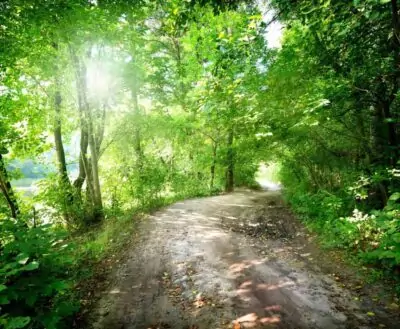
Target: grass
(110, 236)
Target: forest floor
(240, 260)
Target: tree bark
(383, 134)
(213, 164)
(390, 125)
(97, 202)
(229, 186)
(93, 181)
(62, 164)
(57, 132)
(7, 190)
(93, 147)
(83, 160)
(84, 138)
(138, 146)
(396, 83)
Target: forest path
(239, 260)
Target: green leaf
(4, 300)
(387, 254)
(2, 287)
(395, 196)
(396, 237)
(31, 266)
(18, 322)
(31, 299)
(22, 259)
(384, 1)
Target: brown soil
(234, 261)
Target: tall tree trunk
(137, 143)
(7, 190)
(393, 137)
(213, 164)
(94, 154)
(93, 181)
(57, 132)
(84, 138)
(62, 164)
(136, 110)
(99, 131)
(229, 185)
(83, 160)
(377, 134)
(383, 135)
(97, 200)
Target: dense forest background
(123, 106)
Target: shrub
(34, 271)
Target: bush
(34, 276)
(386, 240)
(345, 218)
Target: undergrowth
(43, 268)
(343, 219)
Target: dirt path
(232, 261)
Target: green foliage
(54, 199)
(34, 276)
(157, 101)
(372, 235)
(332, 111)
(135, 105)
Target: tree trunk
(88, 124)
(68, 197)
(391, 136)
(383, 135)
(62, 164)
(229, 185)
(83, 160)
(93, 147)
(7, 190)
(84, 138)
(138, 146)
(213, 164)
(396, 79)
(377, 135)
(97, 201)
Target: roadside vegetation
(127, 106)
(333, 99)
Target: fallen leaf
(370, 313)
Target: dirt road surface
(233, 261)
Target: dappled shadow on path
(188, 271)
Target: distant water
(26, 187)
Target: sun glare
(98, 79)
